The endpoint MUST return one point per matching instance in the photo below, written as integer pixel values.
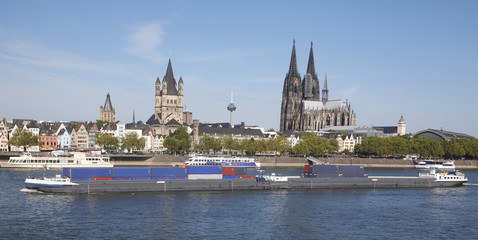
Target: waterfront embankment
(277, 161)
(287, 161)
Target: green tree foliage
(427, 148)
(23, 137)
(132, 142)
(107, 140)
(311, 144)
(424, 147)
(278, 144)
(101, 123)
(230, 143)
(250, 146)
(454, 150)
(470, 146)
(208, 143)
(178, 142)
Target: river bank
(287, 161)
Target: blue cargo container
(230, 177)
(121, 178)
(351, 169)
(330, 175)
(323, 169)
(204, 169)
(88, 172)
(141, 178)
(241, 171)
(80, 179)
(178, 178)
(160, 178)
(66, 172)
(171, 171)
(131, 171)
(354, 175)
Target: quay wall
(288, 161)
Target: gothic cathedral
(168, 107)
(302, 109)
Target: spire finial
(294, 41)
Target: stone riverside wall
(287, 161)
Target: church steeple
(325, 91)
(291, 96)
(170, 81)
(310, 65)
(311, 81)
(293, 63)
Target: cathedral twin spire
(310, 84)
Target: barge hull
(116, 186)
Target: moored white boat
(77, 159)
(426, 164)
(221, 161)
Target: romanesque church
(168, 110)
(302, 108)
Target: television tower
(231, 107)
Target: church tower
(311, 81)
(291, 97)
(402, 127)
(107, 112)
(169, 99)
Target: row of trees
(424, 147)
(310, 144)
(129, 142)
(248, 146)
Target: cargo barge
(216, 178)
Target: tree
(178, 142)
(100, 123)
(454, 150)
(133, 142)
(311, 144)
(230, 143)
(23, 137)
(107, 140)
(279, 144)
(208, 143)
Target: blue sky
(59, 59)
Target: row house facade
(3, 135)
(31, 127)
(63, 135)
(348, 142)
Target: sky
(59, 59)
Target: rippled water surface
(441, 213)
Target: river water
(439, 213)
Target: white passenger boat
(445, 176)
(221, 161)
(56, 181)
(426, 164)
(76, 159)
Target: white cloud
(19, 51)
(145, 40)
